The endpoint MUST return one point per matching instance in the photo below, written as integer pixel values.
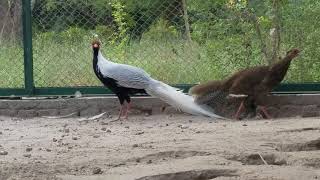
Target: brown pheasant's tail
(210, 93)
(205, 88)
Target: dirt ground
(159, 147)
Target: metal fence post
(27, 44)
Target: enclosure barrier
(45, 44)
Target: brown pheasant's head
(293, 53)
(95, 44)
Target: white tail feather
(177, 99)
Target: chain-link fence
(176, 41)
(11, 49)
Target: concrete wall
(86, 106)
(280, 105)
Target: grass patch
(68, 62)
(11, 66)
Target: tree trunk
(186, 20)
(263, 45)
(10, 21)
(275, 31)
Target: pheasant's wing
(127, 76)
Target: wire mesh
(176, 41)
(11, 50)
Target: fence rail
(176, 41)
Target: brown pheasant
(251, 85)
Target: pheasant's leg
(127, 110)
(251, 108)
(120, 113)
(128, 100)
(124, 110)
(241, 107)
(265, 112)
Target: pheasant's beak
(95, 45)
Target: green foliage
(104, 32)
(120, 37)
(149, 34)
(161, 31)
(56, 15)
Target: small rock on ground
(139, 133)
(48, 150)
(135, 145)
(104, 123)
(27, 155)
(75, 138)
(95, 136)
(149, 162)
(96, 170)
(184, 127)
(3, 153)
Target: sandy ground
(161, 147)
